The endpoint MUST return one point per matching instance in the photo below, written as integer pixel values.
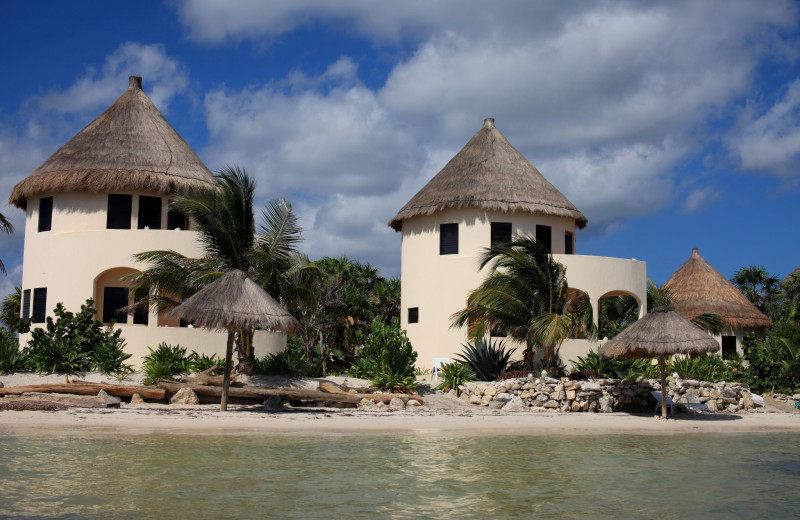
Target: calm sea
(401, 476)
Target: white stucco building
(99, 199)
(488, 193)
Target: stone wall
(546, 394)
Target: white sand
(440, 415)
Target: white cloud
(699, 198)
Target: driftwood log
(147, 392)
(67, 400)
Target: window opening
(45, 213)
(149, 212)
(448, 239)
(568, 243)
(501, 233)
(114, 299)
(119, 211)
(26, 304)
(413, 314)
(39, 304)
(544, 236)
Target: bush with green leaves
(487, 359)
(201, 362)
(703, 368)
(11, 357)
(69, 343)
(290, 362)
(595, 365)
(454, 375)
(164, 362)
(386, 355)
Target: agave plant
(488, 359)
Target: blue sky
(670, 125)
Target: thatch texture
(489, 173)
(235, 302)
(793, 273)
(698, 288)
(660, 333)
(129, 147)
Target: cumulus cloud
(700, 198)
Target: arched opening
(111, 293)
(575, 300)
(617, 310)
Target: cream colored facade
(78, 258)
(437, 285)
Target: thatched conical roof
(235, 302)
(661, 332)
(698, 288)
(489, 173)
(129, 147)
(793, 273)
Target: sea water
(404, 476)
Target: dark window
(114, 298)
(26, 304)
(39, 304)
(501, 233)
(544, 236)
(149, 212)
(413, 314)
(141, 316)
(448, 239)
(568, 243)
(119, 211)
(176, 220)
(728, 346)
(45, 213)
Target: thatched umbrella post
(660, 334)
(234, 302)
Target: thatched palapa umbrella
(489, 173)
(234, 302)
(660, 334)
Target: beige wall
(438, 284)
(79, 256)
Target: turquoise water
(355, 476)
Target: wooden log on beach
(147, 392)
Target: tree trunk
(245, 352)
(663, 369)
(527, 357)
(226, 380)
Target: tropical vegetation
(5, 227)
(386, 357)
(488, 359)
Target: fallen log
(147, 392)
(69, 400)
(206, 380)
(330, 388)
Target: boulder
(575, 406)
(136, 400)
(273, 403)
(552, 404)
(367, 404)
(413, 403)
(474, 399)
(109, 400)
(496, 405)
(185, 396)
(606, 404)
(397, 403)
(515, 405)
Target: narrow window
(45, 213)
(728, 346)
(119, 211)
(149, 212)
(141, 316)
(448, 239)
(501, 233)
(569, 245)
(114, 299)
(544, 236)
(39, 304)
(176, 220)
(413, 314)
(26, 304)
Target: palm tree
(10, 310)
(758, 285)
(6, 227)
(525, 296)
(225, 221)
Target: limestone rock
(552, 404)
(575, 406)
(474, 399)
(491, 390)
(185, 396)
(606, 403)
(397, 403)
(273, 403)
(109, 400)
(494, 404)
(367, 404)
(136, 400)
(413, 403)
(515, 405)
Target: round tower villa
(101, 198)
(489, 193)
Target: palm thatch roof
(789, 276)
(489, 173)
(698, 288)
(235, 302)
(661, 332)
(129, 147)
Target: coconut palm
(6, 227)
(10, 309)
(758, 285)
(225, 222)
(525, 296)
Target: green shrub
(11, 358)
(290, 362)
(394, 382)
(66, 344)
(454, 375)
(595, 365)
(165, 361)
(488, 359)
(386, 355)
(703, 368)
(109, 357)
(201, 362)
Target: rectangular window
(26, 304)
(114, 298)
(119, 211)
(45, 213)
(728, 346)
(569, 245)
(501, 233)
(448, 239)
(141, 316)
(413, 314)
(39, 304)
(177, 220)
(149, 212)
(544, 236)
